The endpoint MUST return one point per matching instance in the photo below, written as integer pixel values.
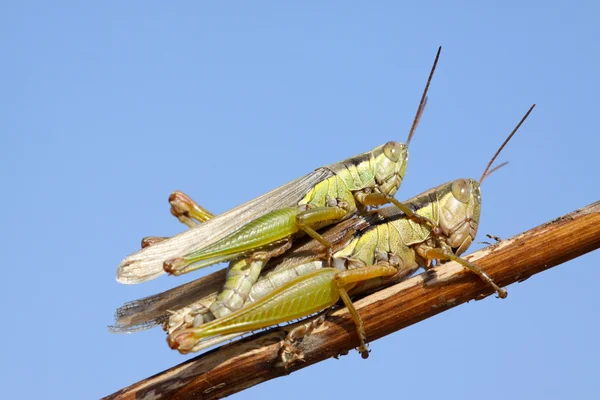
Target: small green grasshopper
(264, 226)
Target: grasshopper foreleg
(445, 254)
(377, 199)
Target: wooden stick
(250, 361)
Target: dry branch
(248, 362)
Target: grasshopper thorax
(459, 211)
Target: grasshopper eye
(478, 195)
(461, 190)
(394, 151)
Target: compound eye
(477, 193)
(461, 190)
(394, 151)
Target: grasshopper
(264, 226)
(391, 248)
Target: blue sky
(106, 108)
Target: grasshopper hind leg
(298, 298)
(241, 276)
(262, 232)
(186, 210)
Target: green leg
(265, 231)
(186, 210)
(298, 298)
(345, 280)
(313, 216)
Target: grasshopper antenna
(423, 101)
(496, 168)
(485, 172)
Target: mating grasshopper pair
(368, 250)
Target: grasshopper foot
(364, 352)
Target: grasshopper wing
(148, 312)
(147, 263)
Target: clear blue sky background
(106, 108)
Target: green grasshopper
(392, 248)
(264, 226)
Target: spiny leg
(445, 254)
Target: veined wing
(147, 263)
(148, 312)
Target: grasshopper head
(459, 213)
(390, 166)
(460, 203)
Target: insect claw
(364, 353)
(496, 238)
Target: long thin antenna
(485, 172)
(423, 101)
(491, 171)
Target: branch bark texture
(250, 361)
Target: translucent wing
(148, 312)
(147, 263)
